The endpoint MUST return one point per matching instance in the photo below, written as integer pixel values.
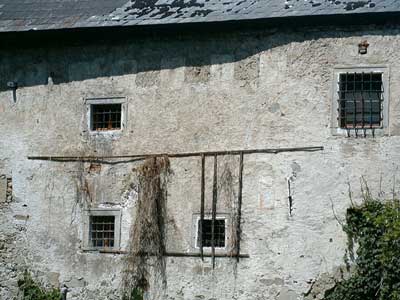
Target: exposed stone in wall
(13, 254)
(325, 282)
(6, 189)
(149, 73)
(287, 294)
(197, 70)
(3, 189)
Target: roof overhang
(115, 33)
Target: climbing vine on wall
(375, 227)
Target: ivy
(33, 291)
(136, 294)
(375, 227)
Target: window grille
(219, 233)
(102, 231)
(360, 100)
(105, 117)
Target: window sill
(106, 132)
(104, 250)
(359, 132)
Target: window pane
(106, 116)
(219, 233)
(102, 231)
(360, 100)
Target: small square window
(105, 117)
(219, 233)
(360, 100)
(102, 231)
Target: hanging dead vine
(147, 248)
(229, 194)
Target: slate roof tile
(24, 15)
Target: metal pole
(214, 208)
(239, 211)
(177, 155)
(202, 205)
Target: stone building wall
(200, 92)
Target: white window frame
(117, 228)
(378, 131)
(195, 230)
(89, 102)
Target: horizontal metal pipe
(177, 254)
(206, 255)
(177, 155)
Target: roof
(25, 15)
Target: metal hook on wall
(290, 198)
(13, 85)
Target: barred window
(219, 233)
(102, 231)
(360, 100)
(105, 117)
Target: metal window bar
(354, 103)
(203, 158)
(102, 231)
(239, 211)
(106, 116)
(214, 209)
(360, 101)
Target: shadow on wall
(78, 61)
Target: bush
(33, 291)
(375, 227)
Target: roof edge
(91, 34)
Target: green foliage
(33, 291)
(135, 294)
(375, 227)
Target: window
(219, 233)
(102, 229)
(360, 100)
(105, 117)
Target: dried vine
(230, 195)
(147, 248)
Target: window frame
(335, 116)
(116, 213)
(195, 230)
(90, 102)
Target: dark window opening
(360, 100)
(101, 231)
(219, 233)
(105, 117)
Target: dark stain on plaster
(273, 281)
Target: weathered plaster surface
(219, 92)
